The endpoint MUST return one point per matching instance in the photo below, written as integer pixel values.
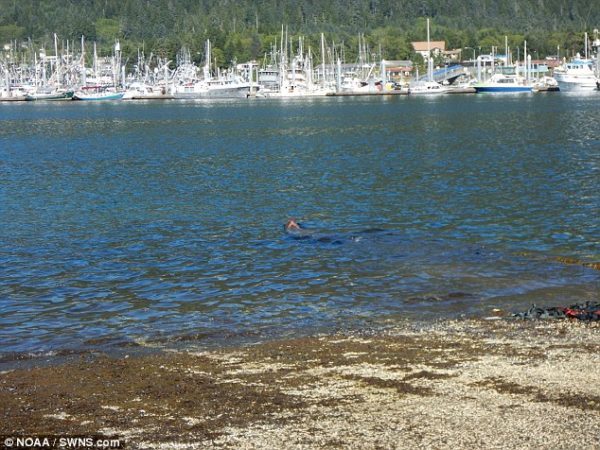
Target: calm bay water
(159, 222)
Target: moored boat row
(287, 75)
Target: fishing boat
(295, 82)
(13, 94)
(9, 97)
(10, 92)
(188, 85)
(504, 83)
(141, 91)
(214, 88)
(147, 84)
(97, 93)
(50, 95)
(577, 74)
(546, 84)
(427, 87)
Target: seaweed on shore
(588, 311)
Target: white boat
(142, 91)
(546, 84)
(50, 94)
(14, 94)
(427, 87)
(294, 92)
(188, 85)
(577, 74)
(8, 96)
(297, 83)
(215, 88)
(351, 84)
(97, 93)
(504, 83)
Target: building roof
(398, 63)
(421, 46)
(397, 69)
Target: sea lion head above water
(292, 226)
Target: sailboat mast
(83, 78)
(429, 61)
(117, 65)
(35, 70)
(281, 47)
(57, 68)
(309, 69)
(95, 61)
(323, 56)
(286, 45)
(7, 73)
(525, 61)
(207, 63)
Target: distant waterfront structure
(438, 48)
(422, 47)
(398, 70)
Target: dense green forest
(246, 29)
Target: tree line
(247, 29)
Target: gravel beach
(451, 384)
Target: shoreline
(449, 384)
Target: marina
(289, 71)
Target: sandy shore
(459, 384)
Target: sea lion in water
(297, 231)
(292, 226)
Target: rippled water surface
(159, 222)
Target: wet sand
(453, 384)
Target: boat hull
(98, 97)
(503, 89)
(427, 92)
(151, 97)
(427, 88)
(214, 93)
(16, 98)
(571, 84)
(50, 97)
